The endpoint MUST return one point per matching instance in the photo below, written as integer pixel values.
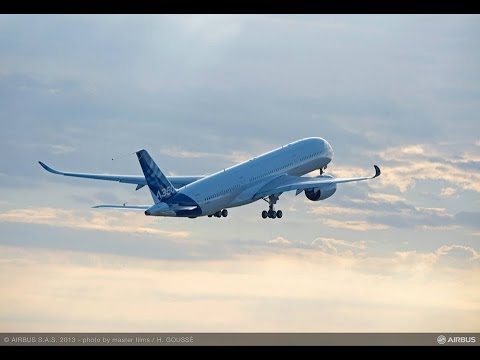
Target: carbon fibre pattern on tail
(160, 188)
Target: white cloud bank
(403, 165)
(124, 222)
(293, 290)
(428, 162)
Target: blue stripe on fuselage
(184, 200)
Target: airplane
(266, 177)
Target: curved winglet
(49, 169)
(377, 171)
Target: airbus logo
(442, 339)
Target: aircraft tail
(160, 188)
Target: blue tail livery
(160, 187)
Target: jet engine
(320, 193)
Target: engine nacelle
(320, 193)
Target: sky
(400, 253)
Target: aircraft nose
(328, 149)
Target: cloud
(385, 198)
(178, 152)
(59, 149)
(412, 150)
(423, 218)
(468, 218)
(386, 211)
(334, 210)
(211, 28)
(359, 225)
(93, 220)
(426, 162)
(54, 149)
(320, 245)
(438, 211)
(279, 240)
(448, 191)
(375, 210)
(461, 251)
(336, 246)
(438, 227)
(428, 219)
(250, 293)
(419, 264)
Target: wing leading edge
(177, 181)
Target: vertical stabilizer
(160, 188)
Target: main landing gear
(220, 213)
(271, 213)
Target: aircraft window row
(271, 172)
(222, 192)
(309, 156)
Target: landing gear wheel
(224, 212)
(271, 213)
(210, 215)
(218, 214)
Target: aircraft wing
(177, 181)
(300, 183)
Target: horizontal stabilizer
(125, 207)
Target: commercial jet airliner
(265, 177)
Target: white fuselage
(237, 185)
